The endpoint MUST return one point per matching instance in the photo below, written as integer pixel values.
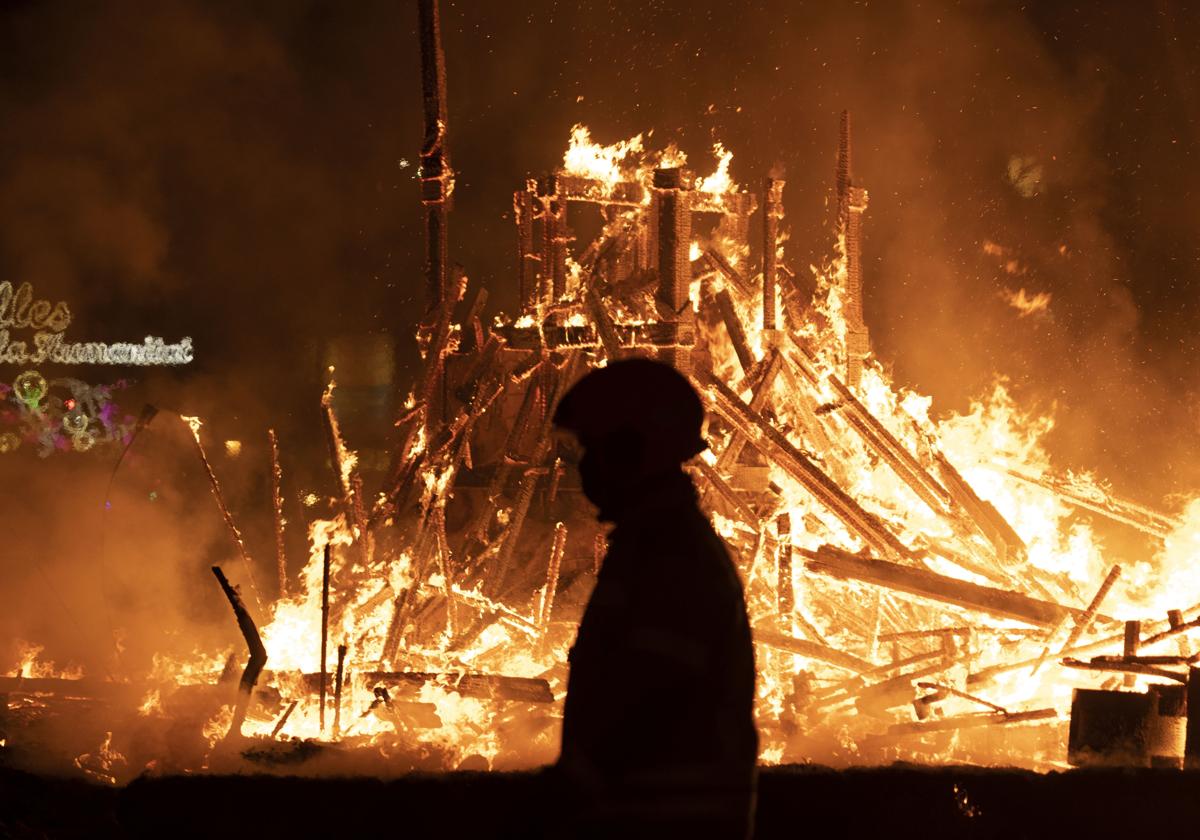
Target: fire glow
(919, 585)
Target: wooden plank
(924, 583)
(813, 650)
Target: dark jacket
(658, 723)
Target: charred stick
(277, 510)
(785, 597)
(283, 719)
(340, 459)
(516, 524)
(234, 532)
(1083, 623)
(556, 555)
(258, 653)
(337, 691)
(324, 629)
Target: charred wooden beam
(283, 719)
(485, 686)
(936, 632)
(604, 325)
(927, 584)
(772, 214)
(893, 452)
(339, 459)
(528, 260)
(733, 326)
(555, 236)
(812, 650)
(1125, 667)
(337, 691)
(258, 653)
(772, 443)
(719, 263)
(1107, 505)
(1008, 544)
(720, 486)
(324, 628)
(785, 591)
(673, 210)
(1083, 623)
(758, 398)
(970, 721)
(470, 327)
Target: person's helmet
(650, 399)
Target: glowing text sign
(19, 310)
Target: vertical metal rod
(436, 173)
(324, 630)
(277, 509)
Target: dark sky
(233, 172)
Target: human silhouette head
(636, 419)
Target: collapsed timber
(900, 573)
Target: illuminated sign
(19, 310)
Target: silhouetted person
(658, 730)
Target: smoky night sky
(244, 173)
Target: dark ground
(897, 801)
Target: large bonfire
(919, 587)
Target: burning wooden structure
(914, 586)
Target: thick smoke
(245, 175)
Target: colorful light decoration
(74, 421)
(78, 421)
(83, 441)
(30, 387)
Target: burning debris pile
(919, 589)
